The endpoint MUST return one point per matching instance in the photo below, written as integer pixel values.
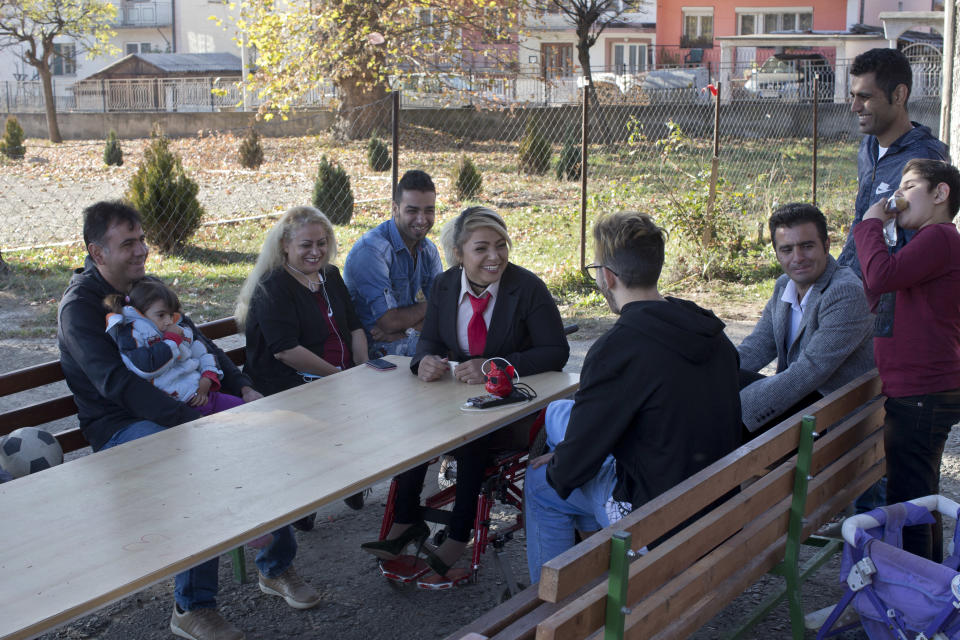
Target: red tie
(477, 328)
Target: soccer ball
(27, 450)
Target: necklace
(313, 286)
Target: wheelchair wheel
(448, 473)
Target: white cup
(453, 365)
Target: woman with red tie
(482, 307)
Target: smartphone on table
(380, 364)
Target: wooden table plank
(81, 535)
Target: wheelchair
(503, 483)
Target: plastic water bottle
(897, 204)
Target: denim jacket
(879, 178)
(381, 274)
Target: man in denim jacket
(391, 269)
(880, 87)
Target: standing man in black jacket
(658, 392)
(115, 406)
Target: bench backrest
(63, 406)
(688, 578)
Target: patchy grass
(542, 213)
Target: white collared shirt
(797, 308)
(465, 309)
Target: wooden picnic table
(81, 535)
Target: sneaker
(291, 587)
(203, 624)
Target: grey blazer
(833, 345)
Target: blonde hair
(455, 232)
(272, 255)
(630, 244)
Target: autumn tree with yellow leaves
(33, 25)
(366, 47)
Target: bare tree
(34, 25)
(589, 19)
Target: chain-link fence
(646, 149)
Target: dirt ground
(358, 604)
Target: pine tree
(112, 153)
(165, 196)
(378, 154)
(332, 193)
(569, 162)
(12, 143)
(534, 152)
(251, 151)
(467, 178)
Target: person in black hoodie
(659, 391)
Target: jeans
(915, 431)
(551, 521)
(196, 588)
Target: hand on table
(469, 371)
(433, 368)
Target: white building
(141, 26)
(548, 48)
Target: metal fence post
(714, 170)
(395, 131)
(584, 141)
(816, 111)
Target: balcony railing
(144, 14)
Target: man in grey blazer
(817, 324)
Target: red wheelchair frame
(502, 482)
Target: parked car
(789, 76)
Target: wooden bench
(788, 482)
(42, 413)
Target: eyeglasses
(594, 270)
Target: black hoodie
(659, 391)
(108, 395)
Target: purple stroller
(898, 595)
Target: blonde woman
(483, 306)
(296, 312)
(294, 307)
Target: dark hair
(413, 180)
(935, 172)
(100, 216)
(631, 245)
(795, 213)
(143, 294)
(889, 67)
